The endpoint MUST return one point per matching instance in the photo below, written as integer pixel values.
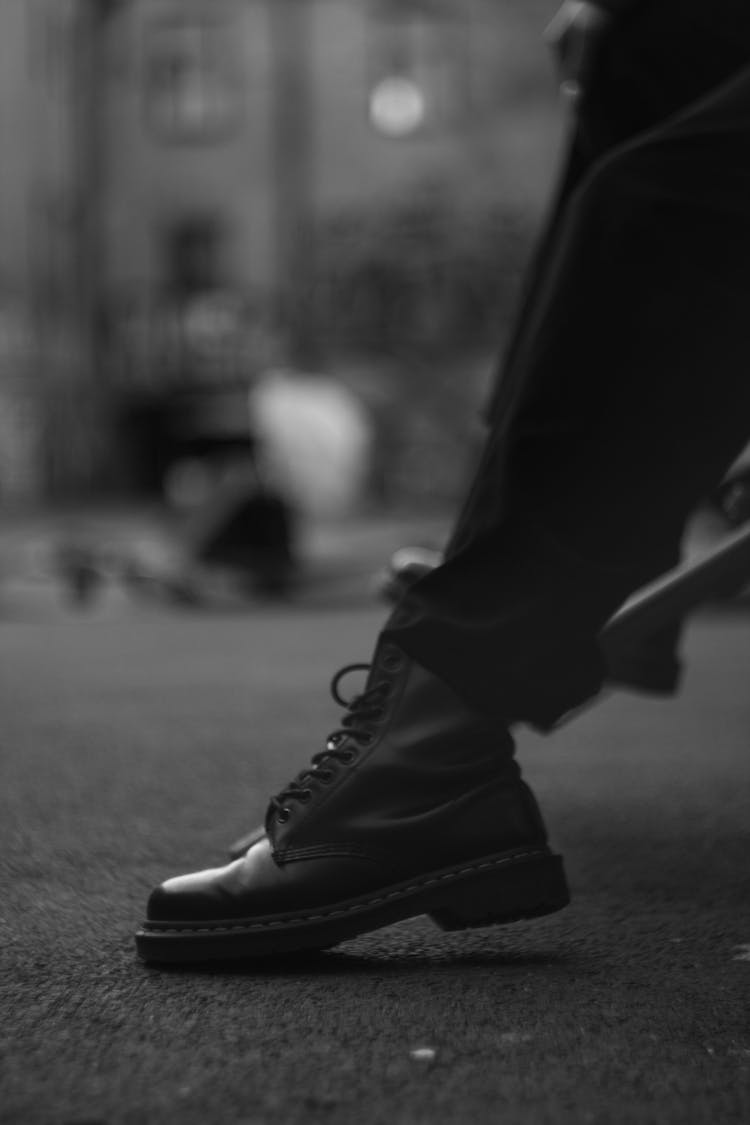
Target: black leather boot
(415, 806)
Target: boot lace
(357, 730)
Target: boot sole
(491, 891)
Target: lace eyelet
(325, 776)
(347, 756)
(392, 661)
(306, 796)
(282, 816)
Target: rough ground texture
(136, 748)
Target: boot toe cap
(237, 890)
(185, 898)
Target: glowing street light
(397, 106)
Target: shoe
(244, 843)
(415, 806)
(405, 567)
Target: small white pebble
(423, 1054)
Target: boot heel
(525, 889)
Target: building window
(191, 88)
(419, 67)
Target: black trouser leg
(634, 400)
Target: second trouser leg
(635, 400)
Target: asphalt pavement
(137, 744)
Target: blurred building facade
(192, 189)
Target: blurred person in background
(625, 397)
(254, 440)
(256, 464)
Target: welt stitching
(160, 928)
(325, 851)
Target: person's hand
(575, 35)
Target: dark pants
(625, 394)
